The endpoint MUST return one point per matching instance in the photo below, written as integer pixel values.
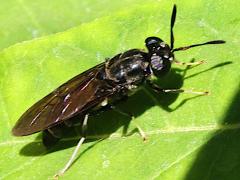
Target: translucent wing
(77, 95)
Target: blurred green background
(44, 43)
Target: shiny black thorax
(129, 70)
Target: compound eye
(152, 40)
(152, 43)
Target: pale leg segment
(140, 130)
(73, 157)
(189, 63)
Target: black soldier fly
(102, 85)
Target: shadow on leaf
(220, 157)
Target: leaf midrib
(116, 136)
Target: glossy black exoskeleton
(101, 85)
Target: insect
(101, 86)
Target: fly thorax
(129, 70)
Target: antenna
(201, 44)
(173, 18)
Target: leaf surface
(187, 135)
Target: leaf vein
(171, 130)
(176, 162)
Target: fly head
(160, 56)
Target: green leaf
(22, 20)
(189, 137)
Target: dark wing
(75, 96)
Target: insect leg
(189, 63)
(73, 157)
(158, 89)
(188, 91)
(141, 132)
